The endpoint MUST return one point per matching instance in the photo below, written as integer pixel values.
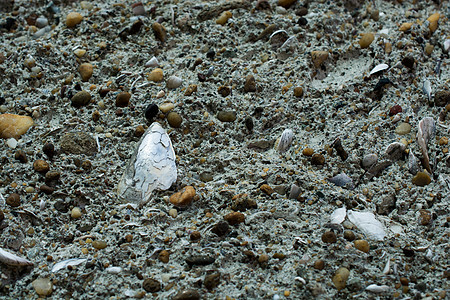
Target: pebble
(12, 143)
(159, 31)
(224, 91)
(349, 235)
(184, 197)
(187, 295)
(369, 160)
(86, 70)
(151, 112)
(340, 278)
(443, 141)
(164, 256)
(318, 159)
(49, 150)
(298, 91)
(428, 49)
(223, 18)
(82, 98)
(395, 110)
(366, 40)
(226, 116)
(263, 258)
(192, 88)
(308, 152)
(138, 9)
(174, 120)
(73, 19)
(13, 126)
(43, 286)
(156, 75)
(405, 26)
(319, 57)
(200, 260)
(286, 3)
(173, 213)
(123, 99)
(211, 281)
(387, 205)
(79, 53)
(425, 217)
(362, 245)
(41, 166)
(319, 264)
(13, 200)
(242, 202)
(166, 107)
(329, 237)
(174, 82)
(403, 128)
(41, 22)
(250, 84)
(151, 285)
(99, 244)
(421, 179)
(337, 144)
(408, 62)
(2, 216)
(29, 189)
(234, 218)
(78, 143)
(75, 213)
(442, 98)
(46, 189)
(195, 235)
(21, 156)
(266, 189)
(221, 228)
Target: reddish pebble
(395, 110)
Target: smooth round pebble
(174, 82)
(156, 75)
(329, 237)
(151, 111)
(41, 166)
(308, 152)
(366, 40)
(13, 200)
(226, 116)
(403, 128)
(99, 244)
(73, 19)
(82, 98)
(166, 107)
(369, 160)
(43, 286)
(123, 99)
(86, 70)
(362, 245)
(318, 159)
(421, 179)
(174, 120)
(75, 213)
(151, 285)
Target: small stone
(13, 126)
(156, 75)
(99, 244)
(337, 144)
(78, 143)
(12, 143)
(43, 286)
(226, 116)
(425, 217)
(195, 235)
(200, 260)
(174, 82)
(80, 53)
(82, 98)
(302, 11)
(428, 49)
(86, 70)
(41, 22)
(192, 88)
(221, 228)
(265, 188)
(75, 213)
(164, 256)
(395, 110)
(362, 245)
(403, 128)
(349, 235)
(262, 5)
(224, 91)
(250, 84)
(405, 26)
(286, 3)
(166, 107)
(249, 123)
(211, 281)
(151, 285)
(408, 62)
(73, 19)
(263, 258)
(234, 218)
(184, 197)
(41, 166)
(298, 91)
(151, 112)
(138, 9)
(278, 255)
(366, 40)
(318, 57)
(174, 120)
(443, 141)
(387, 205)
(13, 200)
(318, 159)
(242, 202)
(187, 295)
(139, 131)
(404, 281)
(21, 156)
(442, 98)
(329, 237)
(421, 179)
(340, 278)
(49, 150)
(369, 160)
(223, 18)
(123, 99)
(308, 152)
(159, 31)
(46, 189)
(319, 264)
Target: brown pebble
(187, 295)
(349, 235)
(428, 49)
(73, 19)
(366, 40)
(174, 120)
(226, 116)
(151, 285)
(318, 57)
(250, 84)
(329, 237)
(184, 197)
(103, 92)
(362, 245)
(319, 264)
(21, 156)
(82, 98)
(224, 91)
(156, 75)
(123, 99)
(164, 256)
(195, 236)
(421, 179)
(318, 159)
(41, 166)
(266, 189)
(234, 218)
(96, 116)
(13, 200)
(404, 281)
(298, 91)
(139, 131)
(159, 31)
(192, 88)
(339, 149)
(442, 98)
(286, 3)
(99, 244)
(425, 217)
(211, 281)
(279, 255)
(221, 228)
(46, 189)
(340, 278)
(49, 150)
(2, 216)
(308, 152)
(242, 202)
(86, 70)
(263, 258)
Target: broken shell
(173, 82)
(426, 88)
(366, 222)
(294, 192)
(223, 18)
(413, 166)
(152, 63)
(338, 216)
(67, 263)
(377, 288)
(285, 140)
(427, 129)
(379, 68)
(395, 150)
(12, 259)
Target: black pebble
(249, 123)
(201, 77)
(408, 62)
(302, 21)
(221, 228)
(199, 260)
(151, 112)
(49, 150)
(210, 54)
(2, 100)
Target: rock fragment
(13, 126)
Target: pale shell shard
(366, 222)
(427, 130)
(377, 288)
(67, 263)
(151, 167)
(173, 82)
(285, 140)
(12, 259)
(152, 63)
(413, 166)
(338, 216)
(379, 68)
(426, 88)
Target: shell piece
(67, 263)
(426, 88)
(285, 140)
(378, 68)
(173, 82)
(342, 180)
(151, 167)
(377, 288)
(152, 63)
(366, 222)
(294, 192)
(12, 259)
(387, 267)
(395, 150)
(338, 216)
(446, 45)
(427, 129)
(413, 166)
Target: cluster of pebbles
(311, 142)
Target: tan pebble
(298, 91)
(366, 40)
(123, 99)
(286, 3)
(403, 128)
(250, 84)
(159, 31)
(86, 70)
(329, 237)
(173, 212)
(75, 213)
(362, 245)
(308, 152)
(192, 88)
(443, 140)
(318, 57)
(434, 17)
(263, 258)
(184, 197)
(164, 256)
(156, 75)
(425, 217)
(318, 159)
(340, 278)
(266, 189)
(388, 47)
(234, 218)
(428, 49)
(41, 166)
(279, 255)
(405, 27)
(99, 244)
(223, 18)
(29, 189)
(13, 200)
(174, 82)
(421, 179)
(433, 26)
(13, 126)
(139, 131)
(43, 286)
(73, 19)
(166, 107)
(319, 264)
(79, 52)
(174, 120)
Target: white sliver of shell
(366, 222)
(12, 259)
(379, 68)
(285, 140)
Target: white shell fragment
(366, 222)
(446, 45)
(426, 88)
(378, 68)
(285, 140)
(387, 267)
(152, 63)
(12, 259)
(114, 270)
(68, 263)
(427, 129)
(338, 216)
(413, 165)
(377, 288)
(173, 82)
(151, 167)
